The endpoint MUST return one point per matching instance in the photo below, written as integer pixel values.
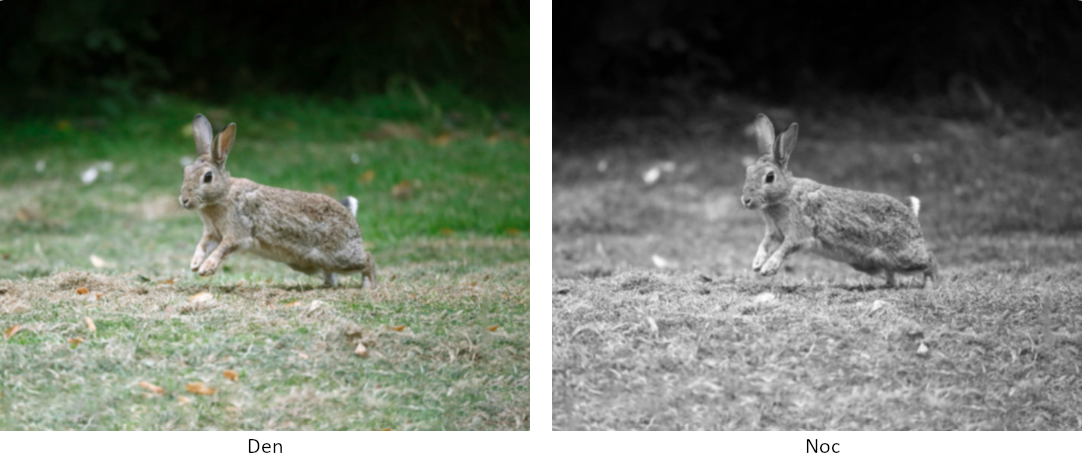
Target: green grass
(708, 344)
(453, 256)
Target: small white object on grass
(652, 175)
(97, 261)
(355, 158)
(89, 175)
(922, 350)
(40, 166)
(602, 166)
(876, 305)
(663, 263)
(764, 297)
(653, 325)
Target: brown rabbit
(874, 233)
(311, 233)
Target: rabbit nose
(746, 201)
(184, 202)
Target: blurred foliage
(790, 48)
(123, 52)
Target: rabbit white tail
(350, 203)
(914, 203)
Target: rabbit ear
(203, 135)
(786, 142)
(764, 134)
(222, 144)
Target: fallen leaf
(876, 305)
(361, 350)
(493, 327)
(11, 331)
(302, 355)
(199, 388)
(151, 387)
(294, 303)
(90, 325)
(97, 296)
(201, 297)
(23, 215)
(315, 306)
(183, 400)
(230, 375)
(367, 176)
(402, 190)
(97, 261)
(441, 140)
(385, 429)
(399, 328)
(75, 341)
(653, 325)
(168, 281)
(922, 350)
(447, 231)
(81, 291)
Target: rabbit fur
(312, 233)
(874, 233)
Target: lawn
(659, 322)
(106, 330)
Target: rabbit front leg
(787, 247)
(200, 252)
(770, 241)
(214, 259)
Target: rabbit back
(310, 232)
(870, 231)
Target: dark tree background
(213, 49)
(792, 49)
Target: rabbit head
(768, 180)
(205, 181)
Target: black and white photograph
(809, 216)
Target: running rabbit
(874, 233)
(311, 233)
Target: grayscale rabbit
(312, 233)
(874, 233)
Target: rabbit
(312, 233)
(874, 233)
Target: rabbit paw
(208, 267)
(758, 262)
(770, 268)
(197, 261)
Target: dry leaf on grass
(231, 375)
(183, 400)
(493, 327)
(90, 325)
(399, 328)
(97, 261)
(97, 296)
(367, 176)
(302, 355)
(402, 190)
(168, 281)
(294, 303)
(361, 350)
(199, 388)
(11, 331)
(152, 388)
(81, 291)
(75, 341)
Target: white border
(540, 216)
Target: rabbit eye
(207, 177)
(769, 177)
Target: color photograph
(264, 216)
